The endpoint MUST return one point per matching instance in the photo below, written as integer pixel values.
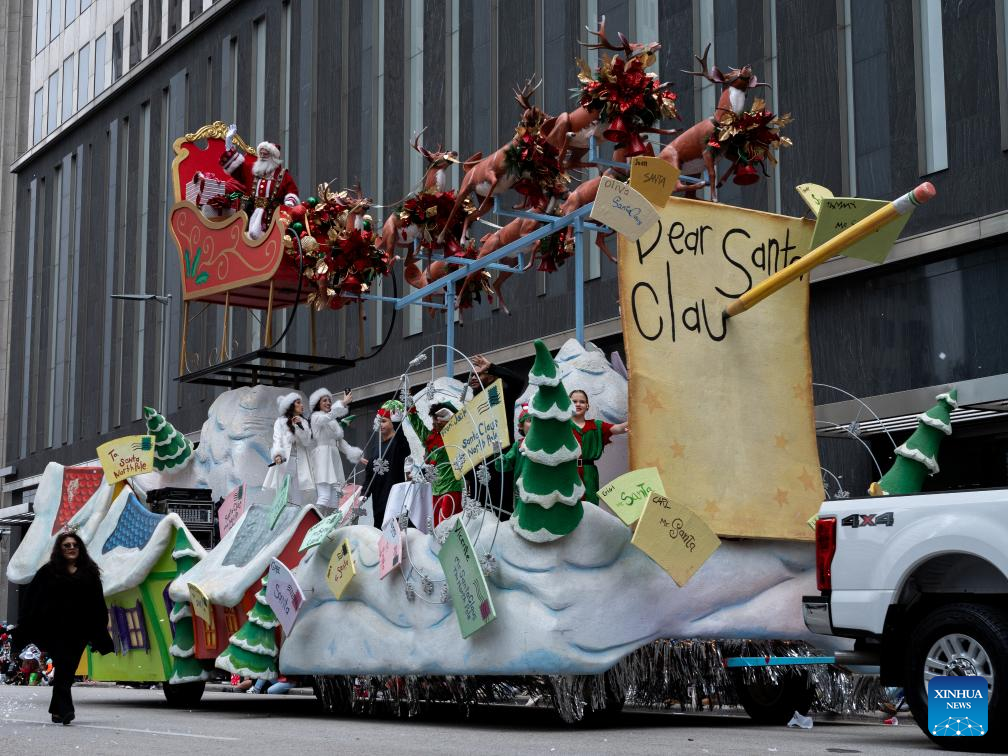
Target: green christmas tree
(171, 448)
(252, 651)
(185, 666)
(916, 458)
(549, 487)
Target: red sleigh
(221, 264)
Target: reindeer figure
(490, 176)
(625, 133)
(491, 242)
(689, 151)
(396, 232)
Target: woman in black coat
(64, 611)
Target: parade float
(700, 547)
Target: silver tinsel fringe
(688, 675)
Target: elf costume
(446, 489)
(514, 458)
(549, 488)
(592, 437)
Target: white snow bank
(234, 445)
(241, 558)
(35, 547)
(574, 606)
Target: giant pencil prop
(847, 237)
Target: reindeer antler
(603, 43)
(522, 97)
(714, 75)
(419, 148)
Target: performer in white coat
(292, 447)
(327, 464)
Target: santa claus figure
(262, 179)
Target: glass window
(42, 27)
(136, 32)
(83, 75)
(53, 120)
(259, 82)
(932, 138)
(56, 22)
(195, 8)
(71, 11)
(68, 84)
(174, 17)
(153, 26)
(99, 65)
(38, 116)
(117, 50)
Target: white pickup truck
(921, 583)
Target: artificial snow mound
(234, 446)
(574, 606)
(36, 546)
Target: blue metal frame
(776, 661)
(578, 220)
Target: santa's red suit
(263, 180)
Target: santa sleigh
(221, 264)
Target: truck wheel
(774, 702)
(184, 695)
(961, 639)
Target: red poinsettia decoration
(555, 249)
(534, 163)
(626, 96)
(750, 138)
(429, 210)
(341, 258)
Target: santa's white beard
(265, 167)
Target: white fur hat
(285, 401)
(316, 396)
(271, 147)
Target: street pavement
(118, 720)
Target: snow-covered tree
(549, 487)
(185, 666)
(171, 448)
(252, 651)
(917, 457)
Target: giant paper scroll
(722, 409)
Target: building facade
(884, 94)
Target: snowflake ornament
(497, 446)
(444, 593)
(426, 473)
(431, 392)
(459, 462)
(406, 399)
(410, 591)
(427, 584)
(376, 425)
(470, 506)
(381, 466)
(441, 536)
(483, 474)
(488, 564)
